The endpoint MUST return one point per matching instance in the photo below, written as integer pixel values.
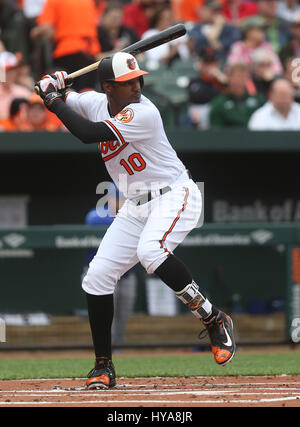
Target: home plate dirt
(156, 392)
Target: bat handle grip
(68, 83)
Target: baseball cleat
(220, 331)
(102, 376)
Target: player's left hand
(61, 77)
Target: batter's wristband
(51, 99)
(65, 92)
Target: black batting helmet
(119, 67)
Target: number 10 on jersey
(135, 162)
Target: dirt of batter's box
(156, 392)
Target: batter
(163, 204)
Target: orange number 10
(136, 163)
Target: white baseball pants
(148, 234)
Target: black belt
(147, 197)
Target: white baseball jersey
(141, 150)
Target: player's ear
(106, 87)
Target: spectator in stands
(242, 51)
(100, 8)
(213, 31)
(203, 89)
(277, 30)
(18, 117)
(41, 119)
(9, 89)
(292, 74)
(137, 15)
(287, 9)
(12, 28)
(190, 10)
(23, 71)
(281, 112)
(236, 105)
(167, 52)
(29, 115)
(292, 47)
(176, 6)
(72, 25)
(24, 76)
(236, 11)
(262, 71)
(112, 34)
(36, 51)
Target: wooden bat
(141, 46)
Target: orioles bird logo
(131, 64)
(125, 116)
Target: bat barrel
(158, 39)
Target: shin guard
(197, 303)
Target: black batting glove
(51, 98)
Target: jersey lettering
(109, 145)
(113, 146)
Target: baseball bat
(141, 46)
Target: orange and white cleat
(220, 331)
(102, 376)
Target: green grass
(146, 366)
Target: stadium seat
(167, 87)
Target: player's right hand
(52, 82)
(46, 85)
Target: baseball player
(163, 204)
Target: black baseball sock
(101, 310)
(174, 273)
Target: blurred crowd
(246, 54)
